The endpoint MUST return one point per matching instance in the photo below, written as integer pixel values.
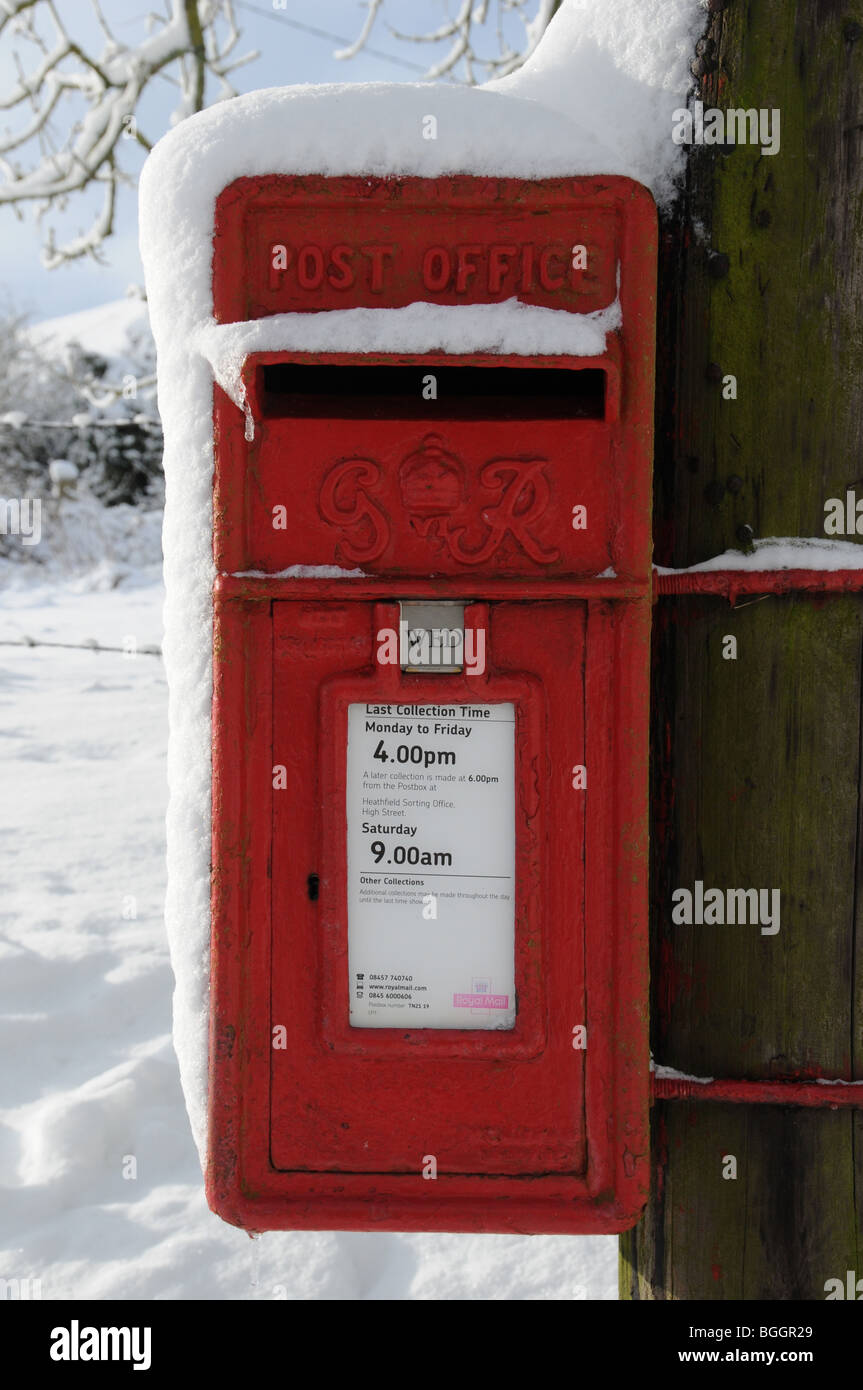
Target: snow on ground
(85, 1012)
(77, 536)
(106, 330)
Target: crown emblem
(431, 479)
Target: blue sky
(289, 53)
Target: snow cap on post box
(596, 97)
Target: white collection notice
(431, 865)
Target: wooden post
(757, 760)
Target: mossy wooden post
(757, 761)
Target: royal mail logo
(434, 496)
(480, 1001)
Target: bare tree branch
(196, 40)
(374, 7)
(466, 30)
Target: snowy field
(91, 1088)
(101, 1192)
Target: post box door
(481, 1099)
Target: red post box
(429, 964)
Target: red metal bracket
(731, 583)
(826, 1092)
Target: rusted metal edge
(830, 1094)
(731, 583)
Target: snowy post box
(431, 604)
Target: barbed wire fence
(90, 645)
